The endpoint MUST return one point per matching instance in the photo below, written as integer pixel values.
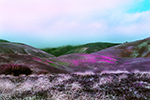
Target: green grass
(63, 63)
(86, 48)
(54, 65)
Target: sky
(53, 23)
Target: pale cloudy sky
(52, 23)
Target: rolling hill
(86, 48)
(15, 55)
(120, 72)
(127, 57)
(7, 47)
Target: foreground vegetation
(86, 48)
(106, 86)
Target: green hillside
(86, 48)
(1, 40)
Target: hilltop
(86, 48)
(7, 47)
(1, 40)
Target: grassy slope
(86, 48)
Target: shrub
(15, 69)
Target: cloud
(27, 15)
(71, 20)
(137, 23)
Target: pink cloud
(27, 15)
(76, 19)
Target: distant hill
(1, 40)
(136, 49)
(86, 48)
(7, 47)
